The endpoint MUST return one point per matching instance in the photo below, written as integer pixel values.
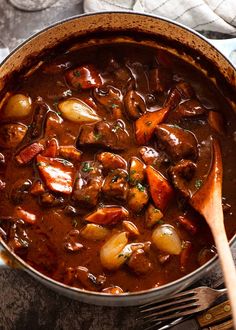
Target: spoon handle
(228, 267)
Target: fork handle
(215, 314)
(228, 325)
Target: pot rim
(197, 272)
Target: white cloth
(202, 15)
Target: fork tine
(177, 309)
(170, 303)
(173, 298)
(169, 317)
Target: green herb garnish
(86, 167)
(148, 123)
(140, 187)
(198, 183)
(74, 222)
(113, 106)
(76, 73)
(97, 136)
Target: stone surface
(26, 304)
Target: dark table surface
(25, 303)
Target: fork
(179, 305)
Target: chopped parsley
(148, 123)
(140, 187)
(41, 164)
(86, 167)
(76, 73)
(132, 172)
(160, 222)
(86, 198)
(113, 106)
(65, 162)
(198, 183)
(115, 129)
(97, 136)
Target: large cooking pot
(133, 27)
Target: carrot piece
(108, 215)
(37, 188)
(24, 215)
(146, 124)
(84, 77)
(28, 153)
(51, 149)
(160, 189)
(58, 174)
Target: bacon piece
(57, 174)
(160, 189)
(70, 152)
(51, 149)
(29, 152)
(146, 124)
(84, 77)
(108, 215)
(25, 215)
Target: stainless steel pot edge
(126, 298)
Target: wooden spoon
(208, 202)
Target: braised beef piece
(37, 123)
(49, 200)
(153, 157)
(181, 91)
(180, 174)
(160, 79)
(139, 262)
(177, 142)
(109, 135)
(20, 190)
(14, 231)
(88, 184)
(115, 185)
(71, 241)
(190, 108)
(11, 135)
(81, 277)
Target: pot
(146, 29)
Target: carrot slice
(58, 174)
(28, 153)
(160, 189)
(84, 77)
(146, 124)
(108, 215)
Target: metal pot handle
(226, 46)
(2, 262)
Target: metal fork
(179, 305)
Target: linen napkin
(201, 15)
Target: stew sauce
(101, 150)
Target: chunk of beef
(160, 79)
(20, 190)
(11, 135)
(190, 108)
(81, 277)
(177, 142)
(109, 135)
(153, 157)
(110, 99)
(111, 161)
(88, 184)
(134, 104)
(40, 111)
(115, 185)
(139, 262)
(180, 174)
(83, 77)
(14, 232)
(181, 91)
(49, 200)
(185, 89)
(71, 241)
